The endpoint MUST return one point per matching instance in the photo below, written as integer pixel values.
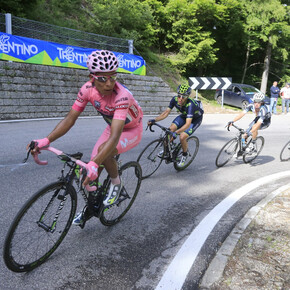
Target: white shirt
(285, 92)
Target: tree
(267, 26)
(17, 7)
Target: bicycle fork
(52, 227)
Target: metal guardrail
(43, 31)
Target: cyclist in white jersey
(261, 121)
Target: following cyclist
(187, 122)
(261, 121)
(120, 111)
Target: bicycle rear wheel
(258, 146)
(39, 227)
(226, 153)
(149, 159)
(131, 176)
(193, 146)
(285, 153)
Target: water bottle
(243, 142)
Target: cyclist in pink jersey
(119, 109)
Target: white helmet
(258, 97)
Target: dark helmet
(184, 90)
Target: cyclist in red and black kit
(187, 122)
(118, 108)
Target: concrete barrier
(38, 91)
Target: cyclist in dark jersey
(261, 121)
(188, 121)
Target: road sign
(209, 83)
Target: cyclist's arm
(185, 126)
(240, 116)
(64, 126)
(163, 115)
(111, 144)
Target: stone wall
(39, 91)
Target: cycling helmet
(102, 61)
(258, 97)
(184, 90)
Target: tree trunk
(246, 63)
(265, 74)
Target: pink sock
(116, 180)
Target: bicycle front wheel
(192, 149)
(252, 154)
(226, 153)
(39, 227)
(285, 153)
(131, 176)
(151, 157)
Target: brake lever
(150, 128)
(31, 147)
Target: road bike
(249, 151)
(44, 220)
(165, 148)
(285, 152)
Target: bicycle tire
(226, 153)
(193, 146)
(29, 242)
(149, 159)
(131, 176)
(285, 152)
(249, 157)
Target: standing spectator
(275, 91)
(285, 95)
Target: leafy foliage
(190, 37)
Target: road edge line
(216, 267)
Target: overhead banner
(29, 50)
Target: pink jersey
(121, 105)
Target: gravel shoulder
(261, 257)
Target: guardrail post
(8, 23)
(130, 42)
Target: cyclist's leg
(248, 131)
(82, 216)
(184, 135)
(177, 123)
(129, 138)
(254, 130)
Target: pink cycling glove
(42, 142)
(92, 170)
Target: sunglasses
(182, 96)
(103, 79)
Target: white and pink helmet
(102, 61)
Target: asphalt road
(135, 253)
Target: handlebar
(238, 128)
(161, 127)
(60, 154)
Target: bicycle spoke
(28, 244)
(149, 159)
(254, 151)
(130, 174)
(285, 153)
(192, 149)
(227, 152)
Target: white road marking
(13, 166)
(175, 275)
